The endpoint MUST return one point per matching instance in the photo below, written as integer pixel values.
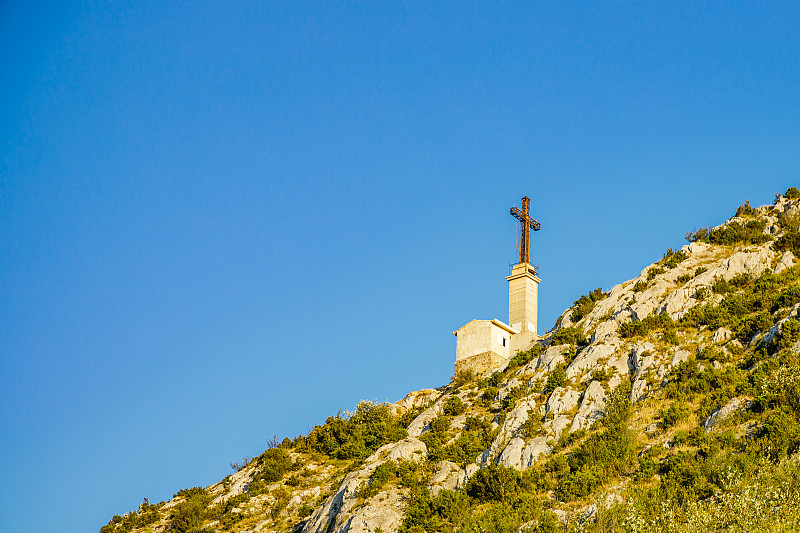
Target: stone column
(523, 298)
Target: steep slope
(670, 401)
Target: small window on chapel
(504, 341)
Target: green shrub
(780, 435)
(685, 478)
(355, 436)
(517, 392)
(788, 298)
(700, 270)
(463, 377)
(721, 286)
(670, 337)
(524, 357)
(380, 476)
(640, 286)
(601, 374)
(427, 513)
(495, 483)
(653, 272)
(792, 193)
(709, 353)
(475, 437)
(677, 412)
(188, 516)
(573, 335)
(746, 210)
(786, 337)
(647, 325)
(584, 305)
(146, 514)
(272, 465)
(778, 388)
(453, 406)
(556, 378)
(673, 258)
(579, 484)
(532, 426)
(702, 293)
(707, 315)
(751, 232)
(683, 278)
(789, 241)
(441, 424)
(488, 396)
(752, 324)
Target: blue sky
(226, 221)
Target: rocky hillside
(668, 403)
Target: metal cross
(526, 223)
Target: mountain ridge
(651, 392)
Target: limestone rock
(786, 261)
(239, 482)
(721, 335)
(724, 412)
(639, 390)
(548, 361)
(385, 513)
(418, 398)
(408, 449)
(420, 424)
(591, 409)
(642, 357)
(506, 388)
(588, 359)
(338, 514)
(520, 456)
(445, 477)
(679, 356)
(749, 262)
(770, 335)
(561, 400)
(605, 331)
(556, 426)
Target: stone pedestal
(523, 298)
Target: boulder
(561, 400)
(639, 390)
(591, 409)
(719, 415)
(721, 336)
(786, 261)
(588, 358)
(421, 424)
(445, 477)
(519, 455)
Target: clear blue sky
(225, 221)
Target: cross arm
(523, 217)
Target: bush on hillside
(789, 241)
(584, 305)
(188, 516)
(524, 357)
(647, 325)
(354, 436)
(453, 406)
(746, 210)
(573, 335)
(792, 193)
(673, 258)
(750, 232)
(556, 378)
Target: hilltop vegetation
(670, 402)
